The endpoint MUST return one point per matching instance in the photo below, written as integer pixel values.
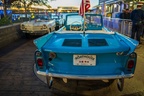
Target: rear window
(72, 42)
(97, 42)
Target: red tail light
(130, 64)
(39, 62)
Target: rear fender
(42, 40)
(129, 41)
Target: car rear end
(92, 57)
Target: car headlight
(23, 26)
(44, 26)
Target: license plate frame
(84, 60)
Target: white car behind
(39, 26)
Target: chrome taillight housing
(38, 59)
(133, 55)
(131, 63)
(38, 53)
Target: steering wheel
(76, 27)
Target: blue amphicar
(85, 50)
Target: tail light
(131, 64)
(40, 62)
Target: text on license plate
(84, 60)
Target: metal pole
(84, 18)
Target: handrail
(123, 26)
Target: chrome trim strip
(88, 31)
(86, 77)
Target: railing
(123, 26)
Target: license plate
(84, 60)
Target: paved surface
(17, 77)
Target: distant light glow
(39, 7)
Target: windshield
(57, 17)
(42, 17)
(74, 19)
(92, 21)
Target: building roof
(108, 1)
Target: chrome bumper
(86, 77)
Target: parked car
(41, 25)
(59, 21)
(85, 52)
